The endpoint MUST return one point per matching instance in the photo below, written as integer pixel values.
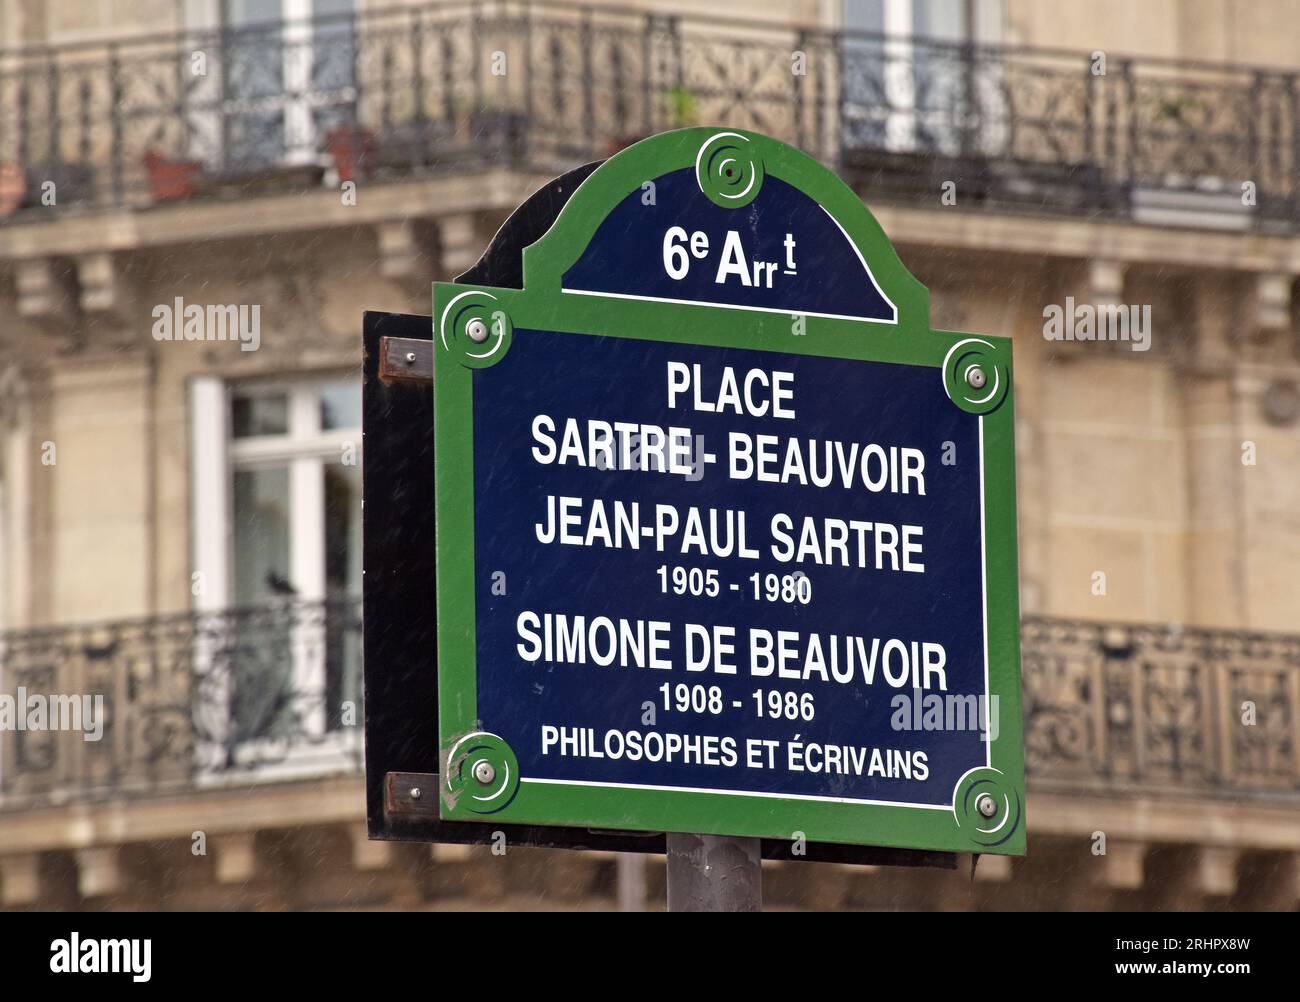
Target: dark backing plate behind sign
(401, 691)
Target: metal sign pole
(714, 873)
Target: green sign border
(469, 791)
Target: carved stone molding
(1216, 870)
(47, 298)
(20, 879)
(1105, 282)
(1125, 865)
(236, 857)
(1272, 302)
(458, 244)
(15, 395)
(99, 873)
(103, 289)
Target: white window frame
(899, 76)
(207, 17)
(216, 457)
(21, 452)
(296, 60)
(899, 69)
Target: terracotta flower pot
(353, 151)
(13, 186)
(170, 180)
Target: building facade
(198, 199)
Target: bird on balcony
(279, 585)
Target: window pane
(340, 405)
(326, 8)
(254, 11)
(259, 414)
(254, 77)
(342, 530)
(334, 56)
(939, 19)
(342, 580)
(864, 15)
(261, 535)
(260, 662)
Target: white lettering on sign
(846, 509)
(677, 450)
(751, 394)
(735, 265)
(557, 638)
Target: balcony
(189, 703)
(196, 703)
(1122, 710)
(458, 87)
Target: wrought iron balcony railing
(458, 86)
(1161, 709)
(188, 702)
(192, 702)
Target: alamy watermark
(1104, 322)
(75, 955)
(26, 711)
(949, 711)
(176, 321)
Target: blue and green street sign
(726, 533)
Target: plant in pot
(1174, 118)
(680, 111)
(681, 107)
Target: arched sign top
(728, 219)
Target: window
(296, 490)
(288, 84)
(277, 530)
(916, 89)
